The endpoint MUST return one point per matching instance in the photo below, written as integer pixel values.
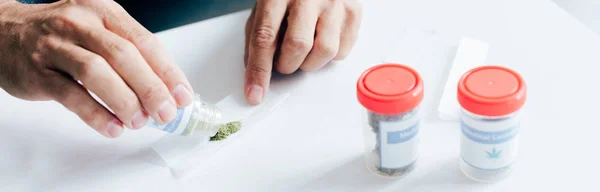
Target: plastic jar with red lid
(491, 98)
(391, 95)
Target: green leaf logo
(494, 154)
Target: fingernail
(167, 111)
(255, 94)
(182, 95)
(114, 128)
(139, 120)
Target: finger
(327, 41)
(299, 36)
(262, 42)
(248, 32)
(97, 76)
(349, 30)
(126, 60)
(76, 98)
(139, 59)
(120, 22)
(90, 68)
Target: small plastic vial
(198, 118)
(491, 98)
(391, 95)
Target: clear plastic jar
(195, 119)
(391, 95)
(491, 98)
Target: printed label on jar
(398, 142)
(178, 125)
(489, 150)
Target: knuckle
(38, 58)
(166, 71)
(91, 116)
(150, 92)
(126, 105)
(42, 44)
(326, 50)
(88, 68)
(51, 43)
(353, 10)
(42, 49)
(142, 38)
(299, 43)
(91, 33)
(255, 69)
(264, 36)
(257, 72)
(122, 51)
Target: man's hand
(296, 34)
(46, 49)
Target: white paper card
(182, 153)
(236, 108)
(471, 53)
(173, 147)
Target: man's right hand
(46, 49)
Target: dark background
(160, 15)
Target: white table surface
(313, 141)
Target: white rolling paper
(471, 53)
(184, 153)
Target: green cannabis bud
(227, 129)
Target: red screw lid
(390, 89)
(491, 91)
